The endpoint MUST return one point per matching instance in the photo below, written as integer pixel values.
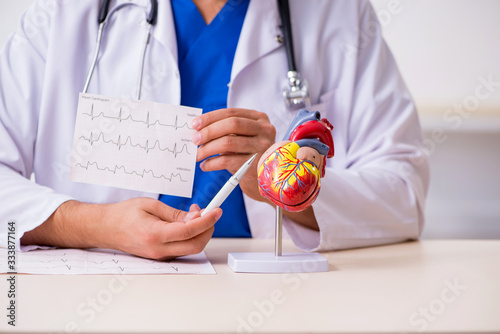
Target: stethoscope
(295, 93)
(104, 15)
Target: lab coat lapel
(164, 31)
(258, 34)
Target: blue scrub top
(205, 59)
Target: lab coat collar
(258, 34)
(164, 30)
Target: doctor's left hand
(234, 135)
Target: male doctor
(375, 186)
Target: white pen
(229, 186)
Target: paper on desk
(101, 261)
(132, 144)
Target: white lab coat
(375, 186)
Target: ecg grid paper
(132, 144)
(101, 261)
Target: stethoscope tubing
(296, 92)
(104, 16)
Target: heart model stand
(277, 262)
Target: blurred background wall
(448, 52)
(449, 55)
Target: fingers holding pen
(187, 237)
(193, 225)
(194, 245)
(151, 229)
(193, 211)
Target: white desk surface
(388, 289)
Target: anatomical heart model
(289, 175)
(290, 171)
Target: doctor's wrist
(305, 218)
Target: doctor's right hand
(141, 226)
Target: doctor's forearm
(71, 225)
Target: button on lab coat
(375, 186)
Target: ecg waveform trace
(141, 174)
(120, 118)
(147, 147)
(128, 141)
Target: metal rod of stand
(279, 228)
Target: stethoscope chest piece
(296, 92)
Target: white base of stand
(270, 263)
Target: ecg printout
(132, 144)
(101, 261)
